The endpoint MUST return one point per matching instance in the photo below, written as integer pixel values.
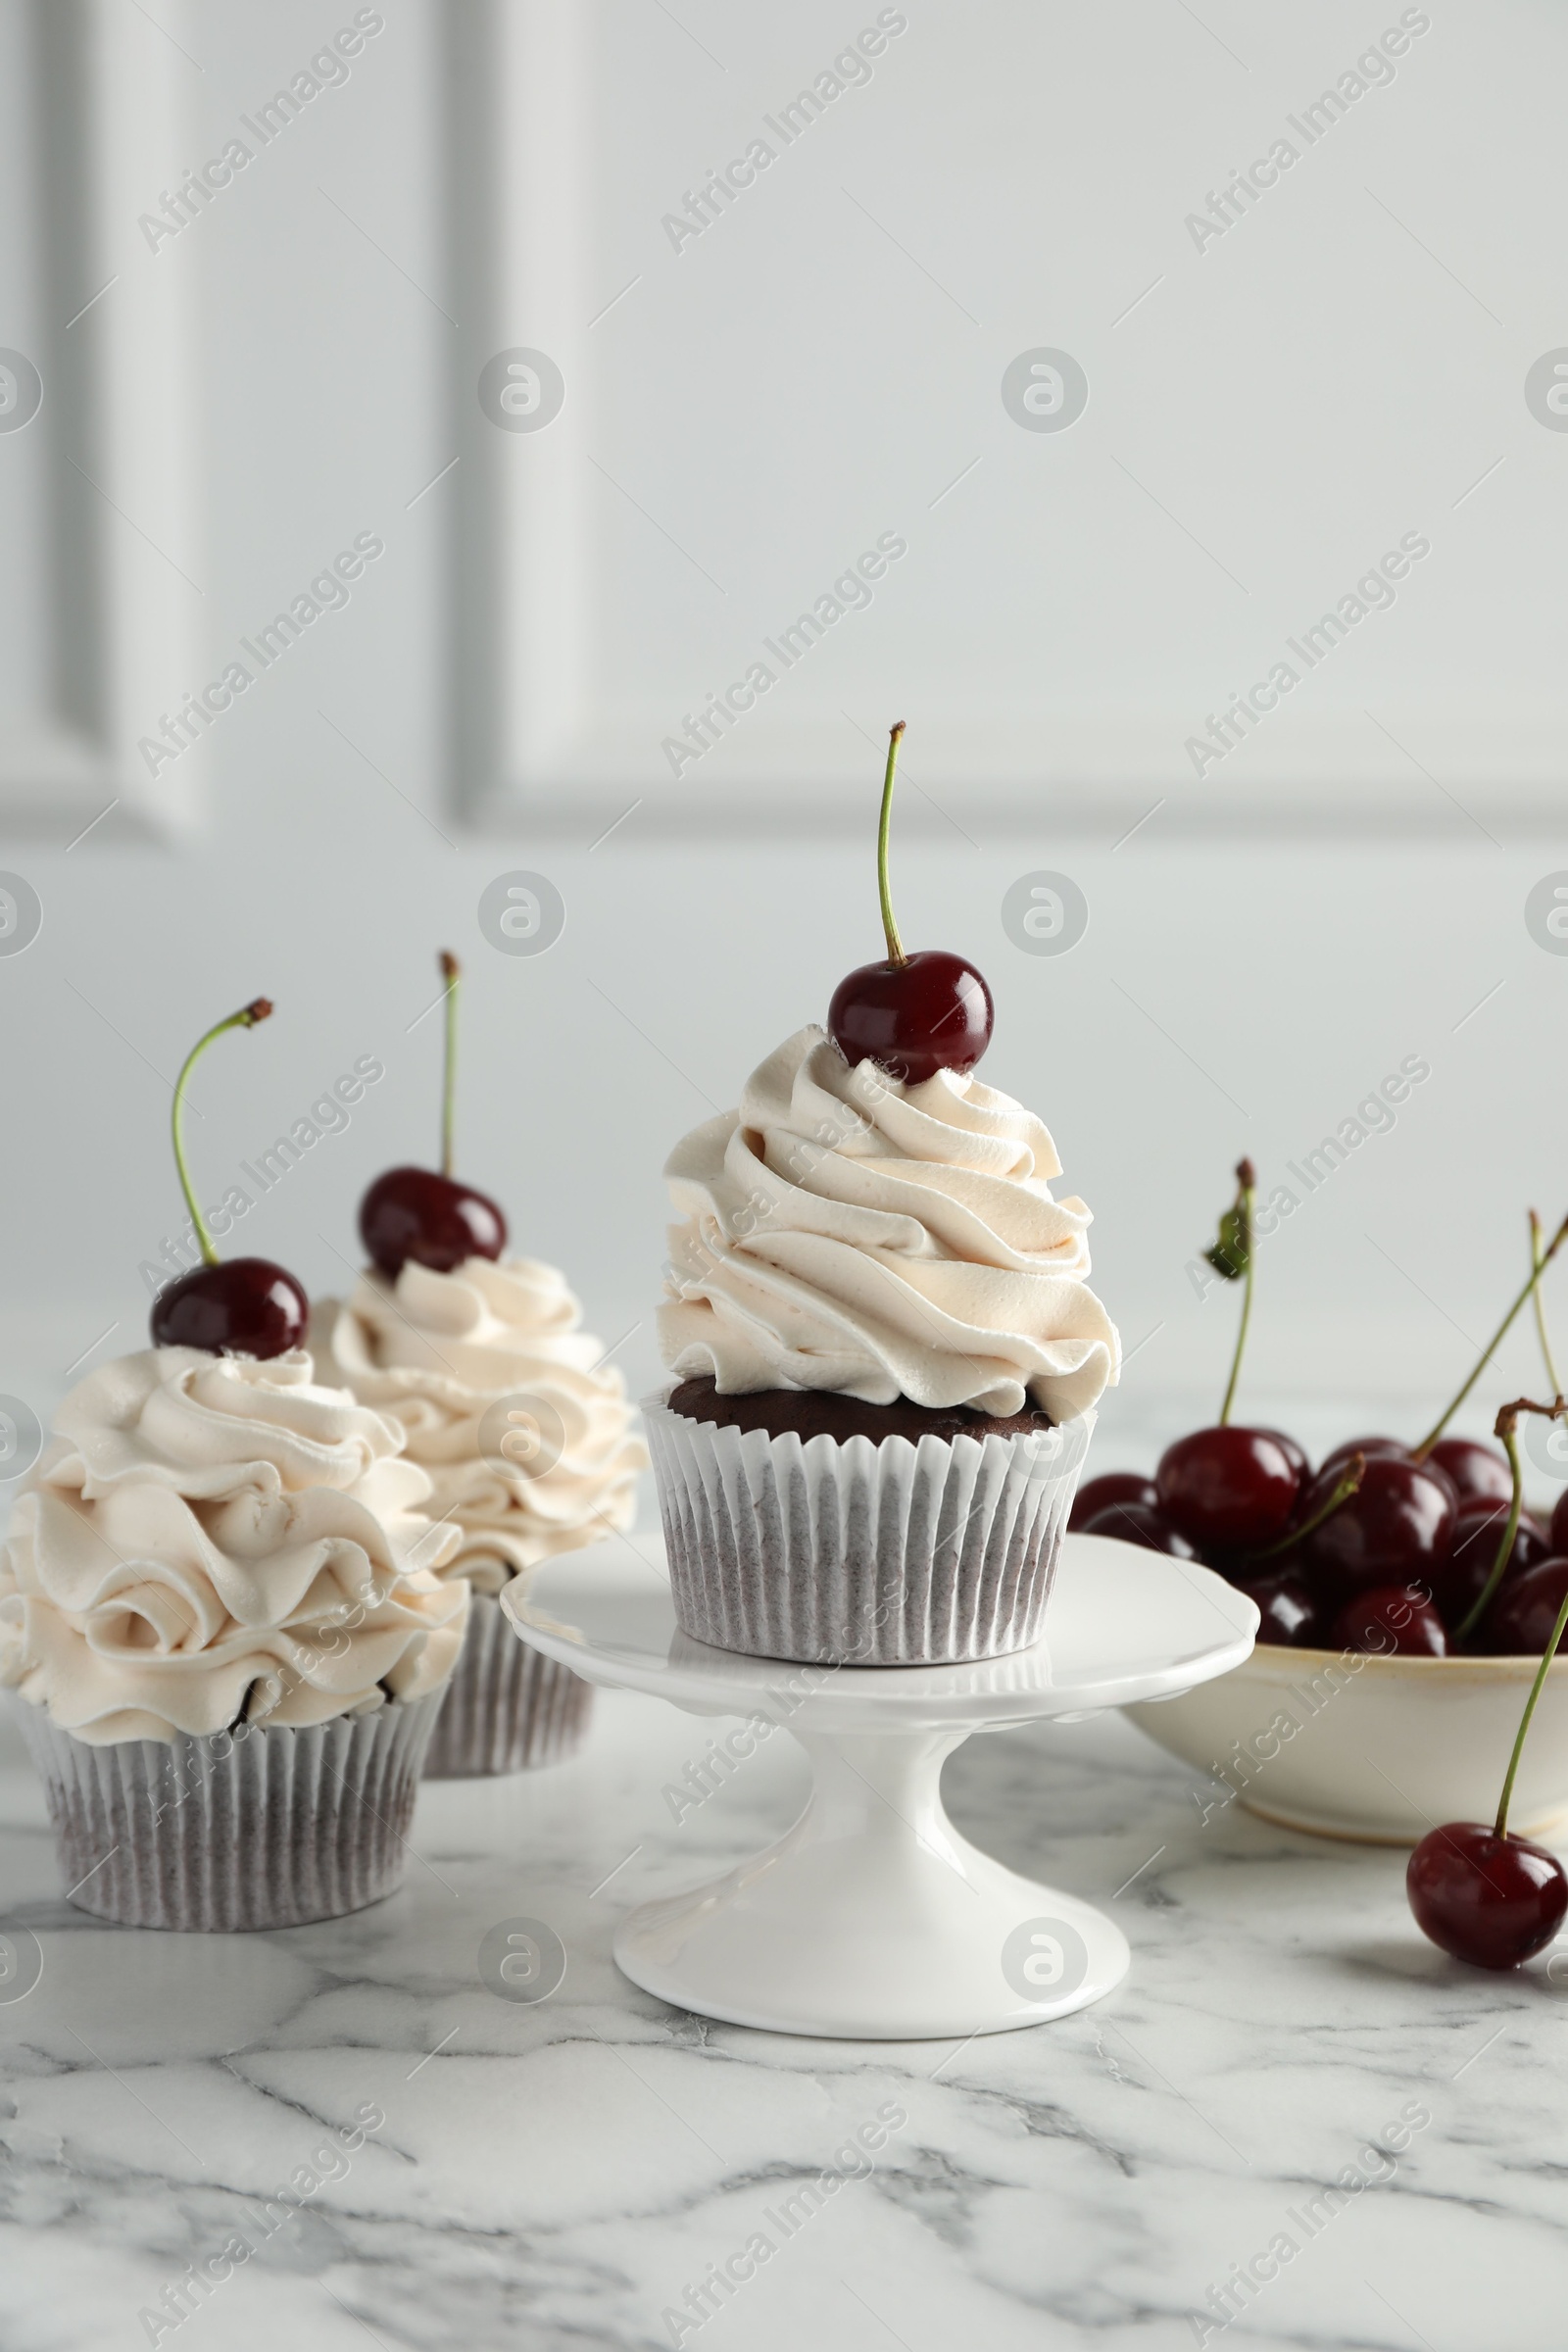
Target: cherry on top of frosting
(912, 1014)
(414, 1212)
(239, 1307)
(248, 1305)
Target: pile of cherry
(1396, 1566)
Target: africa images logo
(1373, 70)
(851, 70)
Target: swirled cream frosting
(843, 1230)
(526, 1434)
(208, 1539)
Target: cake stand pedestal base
(872, 1919)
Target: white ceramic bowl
(1376, 1748)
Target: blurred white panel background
(745, 411)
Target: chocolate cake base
(815, 1414)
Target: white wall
(1234, 992)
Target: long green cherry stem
(1536, 1689)
(1541, 1305)
(1506, 1431)
(896, 954)
(1246, 1186)
(451, 970)
(1347, 1484)
(1419, 1453)
(247, 1017)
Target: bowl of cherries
(1406, 1597)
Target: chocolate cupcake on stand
(886, 1352)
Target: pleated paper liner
(508, 1708)
(841, 1553)
(267, 1827)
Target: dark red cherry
(241, 1306)
(1494, 1902)
(1369, 1447)
(1397, 1529)
(1111, 1487)
(931, 1013)
(1140, 1523)
(1392, 1621)
(1294, 1453)
(1478, 1530)
(1228, 1488)
(1480, 1472)
(413, 1212)
(1291, 1614)
(1559, 1524)
(1480, 1527)
(1519, 1622)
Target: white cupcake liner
(840, 1553)
(265, 1827)
(508, 1708)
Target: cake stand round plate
(872, 1919)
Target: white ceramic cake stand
(872, 1918)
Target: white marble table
(561, 2174)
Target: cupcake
(527, 1439)
(885, 1354)
(217, 1606)
(524, 1431)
